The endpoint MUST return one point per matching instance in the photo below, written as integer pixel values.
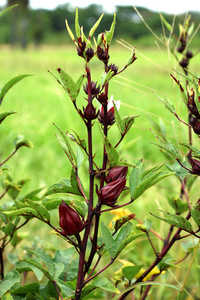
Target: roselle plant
(92, 244)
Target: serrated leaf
(68, 288)
(65, 186)
(178, 205)
(9, 280)
(66, 257)
(69, 85)
(42, 211)
(176, 220)
(6, 114)
(127, 123)
(20, 141)
(55, 270)
(80, 206)
(112, 153)
(105, 78)
(105, 284)
(109, 34)
(167, 103)
(195, 212)
(6, 87)
(138, 183)
(108, 239)
(92, 30)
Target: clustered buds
(185, 60)
(88, 54)
(194, 116)
(116, 182)
(70, 221)
(102, 54)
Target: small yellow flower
(121, 212)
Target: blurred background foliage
(25, 26)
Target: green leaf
(108, 239)
(167, 103)
(80, 206)
(131, 59)
(140, 180)
(41, 254)
(5, 114)
(113, 155)
(105, 78)
(65, 144)
(25, 289)
(176, 220)
(8, 229)
(20, 141)
(36, 263)
(77, 26)
(2, 12)
(70, 32)
(131, 271)
(26, 211)
(168, 26)
(7, 296)
(68, 288)
(9, 280)
(109, 34)
(128, 240)
(55, 270)
(65, 186)
(178, 205)
(92, 30)
(191, 245)
(195, 151)
(41, 209)
(195, 212)
(105, 284)
(24, 266)
(167, 146)
(10, 84)
(69, 85)
(66, 258)
(115, 245)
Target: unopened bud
(70, 221)
(111, 191)
(89, 113)
(195, 164)
(116, 173)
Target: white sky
(169, 6)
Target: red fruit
(111, 191)
(70, 221)
(116, 173)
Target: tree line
(24, 26)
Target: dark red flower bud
(113, 68)
(184, 63)
(102, 55)
(89, 113)
(102, 98)
(116, 173)
(89, 53)
(94, 87)
(110, 116)
(70, 221)
(189, 54)
(195, 164)
(111, 191)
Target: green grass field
(40, 101)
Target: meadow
(40, 101)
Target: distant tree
(19, 22)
